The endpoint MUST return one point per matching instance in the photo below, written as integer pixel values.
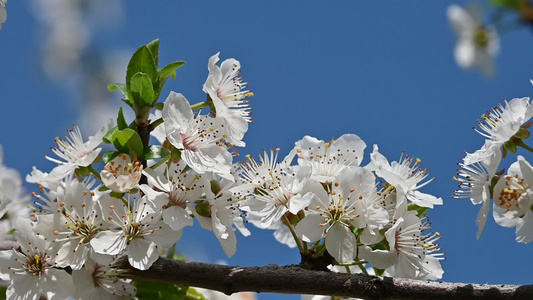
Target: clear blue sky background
(384, 71)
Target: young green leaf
(170, 70)
(142, 61)
(121, 121)
(108, 137)
(154, 48)
(123, 89)
(142, 89)
(128, 141)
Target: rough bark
(296, 280)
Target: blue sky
(383, 71)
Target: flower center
(481, 37)
(35, 265)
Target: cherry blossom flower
(477, 43)
(411, 252)
(513, 200)
(102, 282)
(474, 183)
(406, 175)
(226, 89)
(75, 220)
(122, 173)
(276, 190)
(30, 268)
(333, 213)
(327, 159)
(74, 152)
(199, 138)
(224, 214)
(178, 190)
(500, 125)
(139, 231)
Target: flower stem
(162, 161)
(94, 172)
(363, 269)
(298, 241)
(200, 105)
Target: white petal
(341, 244)
(177, 218)
(142, 254)
(381, 259)
(309, 229)
(524, 231)
(109, 242)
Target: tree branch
(296, 280)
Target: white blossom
(198, 137)
(30, 268)
(477, 43)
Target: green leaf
(193, 294)
(3, 290)
(154, 49)
(121, 121)
(147, 290)
(128, 141)
(109, 156)
(142, 89)
(420, 211)
(154, 152)
(122, 87)
(108, 137)
(142, 61)
(170, 70)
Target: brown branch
(296, 280)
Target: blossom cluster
(505, 128)
(319, 197)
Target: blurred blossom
(477, 43)
(67, 55)
(3, 13)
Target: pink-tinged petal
(309, 229)
(109, 242)
(381, 259)
(142, 254)
(341, 244)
